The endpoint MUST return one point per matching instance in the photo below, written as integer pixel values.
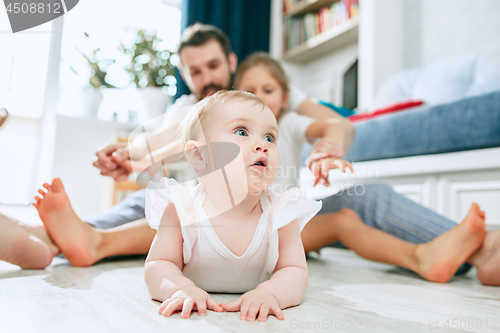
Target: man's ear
(232, 58)
(194, 155)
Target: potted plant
(150, 70)
(91, 96)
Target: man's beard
(210, 89)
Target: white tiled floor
(345, 294)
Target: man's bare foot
(440, 259)
(487, 259)
(77, 240)
(23, 245)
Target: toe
(47, 186)
(57, 185)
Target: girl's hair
(263, 59)
(206, 108)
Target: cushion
(447, 81)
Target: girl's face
(259, 81)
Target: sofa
(444, 154)
(461, 110)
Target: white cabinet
(446, 183)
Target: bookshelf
(314, 28)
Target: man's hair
(206, 108)
(198, 34)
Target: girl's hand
(320, 169)
(188, 299)
(257, 301)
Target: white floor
(345, 293)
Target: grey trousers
(378, 206)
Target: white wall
(381, 45)
(75, 146)
(19, 151)
(454, 27)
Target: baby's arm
(286, 287)
(163, 272)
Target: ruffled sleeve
(159, 195)
(286, 207)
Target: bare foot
(487, 259)
(77, 240)
(440, 259)
(25, 246)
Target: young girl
(436, 261)
(230, 233)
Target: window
(23, 68)
(104, 25)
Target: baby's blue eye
(241, 132)
(269, 138)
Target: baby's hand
(320, 169)
(257, 301)
(188, 299)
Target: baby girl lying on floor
(230, 233)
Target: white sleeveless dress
(207, 261)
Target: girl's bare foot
(487, 259)
(25, 246)
(440, 259)
(77, 240)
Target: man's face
(206, 69)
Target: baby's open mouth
(260, 164)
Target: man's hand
(320, 169)
(322, 148)
(188, 299)
(114, 161)
(257, 301)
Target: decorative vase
(90, 102)
(155, 100)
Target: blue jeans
(378, 206)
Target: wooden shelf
(324, 43)
(309, 6)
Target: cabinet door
(457, 192)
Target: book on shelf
(298, 29)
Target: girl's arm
(337, 129)
(286, 287)
(163, 272)
(319, 161)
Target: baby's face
(254, 129)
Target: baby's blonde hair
(206, 108)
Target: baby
(230, 233)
